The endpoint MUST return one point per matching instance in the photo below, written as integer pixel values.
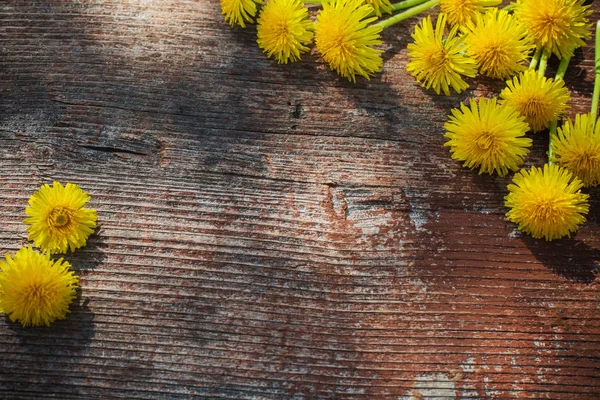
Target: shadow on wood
(569, 258)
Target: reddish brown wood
(274, 232)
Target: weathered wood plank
(272, 232)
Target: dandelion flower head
(283, 29)
(57, 220)
(499, 43)
(577, 148)
(436, 62)
(559, 26)
(35, 289)
(540, 100)
(546, 203)
(238, 12)
(344, 39)
(460, 12)
(487, 135)
(380, 6)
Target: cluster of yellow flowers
(341, 32)
(345, 32)
(490, 134)
(34, 288)
(468, 37)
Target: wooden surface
(274, 232)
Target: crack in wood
(112, 150)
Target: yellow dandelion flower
(487, 135)
(34, 289)
(540, 100)
(57, 218)
(380, 6)
(436, 62)
(238, 12)
(462, 11)
(546, 203)
(577, 148)
(499, 43)
(559, 26)
(344, 39)
(283, 29)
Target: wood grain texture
(274, 232)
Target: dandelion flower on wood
(380, 6)
(487, 135)
(238, 12)
(559, 26)
(57, 218)
(436, 62)
(460, 12)
(34, 289)
(283, 29)
(577, 148)
(344, 39)
(546, 203)
(541, 101)
(499, 43)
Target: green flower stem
(552, 134)
(596, 93)
(407, 14)
(543, 62)
(406, 4)
(562, 68)
(560, 74)
(535, 58)
(401, 6)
